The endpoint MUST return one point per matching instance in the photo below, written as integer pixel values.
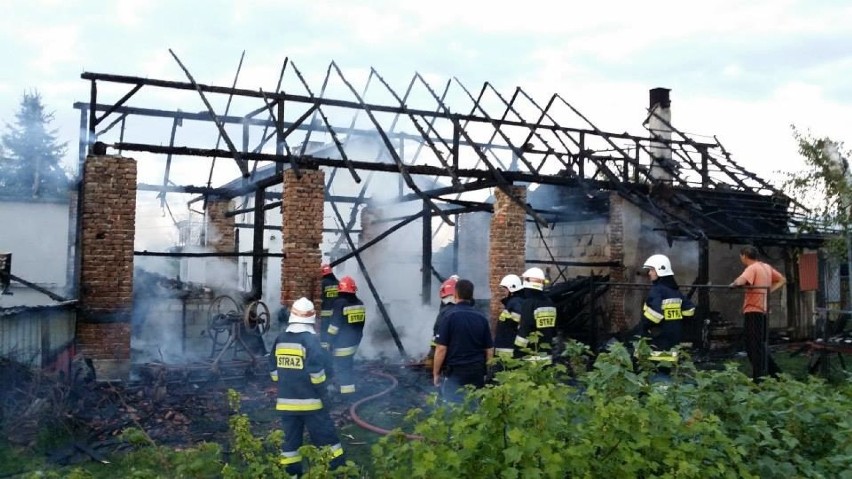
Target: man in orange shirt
(761, 279)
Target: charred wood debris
(88, 416)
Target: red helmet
(346, 285)
(325, 269)
(448, 287)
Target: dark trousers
(322, 432)
(344, 371)
(456, 377)
(757, 346)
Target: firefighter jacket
(329, 295)
(538, 315)
(347, 324)
(662, 315)
(507, 324)
(442, 313)
(299, 365)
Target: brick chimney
(659, 121)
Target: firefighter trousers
(322, 432)
(344, 369)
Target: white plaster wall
(37, 235)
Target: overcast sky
(742, 70)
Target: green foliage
(149, 460)
(30, 159)
(251, 457)
(823, 185)
(254, 457)
(615, 420)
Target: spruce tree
(31, 154)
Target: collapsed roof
(475, 141)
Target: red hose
(370, 427)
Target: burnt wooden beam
(241, 163)
(169, 254)
(280, 134)
(349, 104)
(175, 123)
(495, 124)
(401, 167)
(423, 133)
(383, 235)
(379, 303)
(118, 104)
(278, 228)
(221, 130)
(331, 162)
(50, 294)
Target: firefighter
(299, 366)
(663, 311)
(538, 320)
(510, 317)
(345, 330)
(447, 293)
(329, 294)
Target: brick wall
(507, 243)
(221, 238)
(106, 270)
(221, 232)
(301, 230)
(618, 319)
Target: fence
(38, 336)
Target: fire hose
(371, 427)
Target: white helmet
(659, 263)
(534, 279)
(512, 282)
(303, 312)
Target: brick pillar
(618, 319)
(106, 269)
(221, 238)
(507, 243)
(301, 231)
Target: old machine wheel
(257, 318)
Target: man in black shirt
(463, 346)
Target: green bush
(253, 457)
(615, 421)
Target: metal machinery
(237, 328)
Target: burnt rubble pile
(85, 418)
(94, 414)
